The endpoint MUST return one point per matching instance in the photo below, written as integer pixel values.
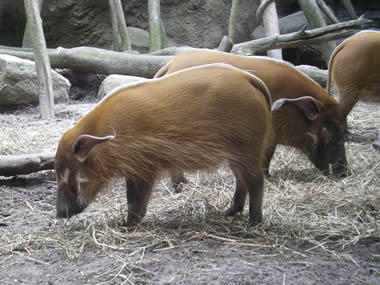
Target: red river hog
(192, 119)
(304, 117)
(354, 69)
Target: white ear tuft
(84, 143)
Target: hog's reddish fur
(354, 69)
(193, 119)
(283, 81)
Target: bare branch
(291, 40)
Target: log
(271, 28)
(170, 51)
(46, 97)
(88, 59)
(95, 60)
(318, 75)
(154, 24)
(11, 165)
(309, 37)
(120, 37)
(315, 18)
(232, 19)
(328, 12)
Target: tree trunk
(164, 37)
(154, 24)
(119, 28)
(315, 18)
(271, 28)
(328, 12)
(11, 165)
(232, 20)
(28, 34)
(42, 62)
(350, 9)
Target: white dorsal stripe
(145, 80)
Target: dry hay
(304, 212)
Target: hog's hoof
(376, 145)
(132, 220)
(231, 211)
(255, 221)
(178, 185)
(340, 171)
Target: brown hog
(354, 68)
(308, 121)
(192, 119)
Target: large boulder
(113, 81)
(19, 82)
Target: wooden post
(315, 18)
(28, 34)
(328, 12)
(350, 9)
(232, 20)
(271, 27)
(119, 28)
(164, 38)
(225, 44)
(154, 24)
(42, 61)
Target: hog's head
(314, 129)
(78, 173)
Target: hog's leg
(138, 195)
(346, 100)
(255, 186)
(268, 157)
(178, 179)
(240, 196)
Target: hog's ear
(84, 143)
(308, 105)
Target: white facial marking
(64, 179)
(80, 180)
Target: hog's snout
(66, 207)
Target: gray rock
(288, 24)
(19, 83)
(113, 81)
(140, 39)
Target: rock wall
(70, 23)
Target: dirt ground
(317, 229)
